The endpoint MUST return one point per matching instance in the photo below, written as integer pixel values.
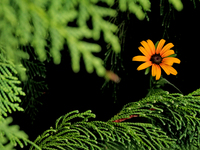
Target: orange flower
(157, 58)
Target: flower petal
(170, 60)
(166, 47)
(165, 68)
(172, 70)
(144, 65)
(158, 72)
(146, 46)
(144, 51)
(159, 46)
(167, 53)
(153, 70)
(152, 46)
(140, 58)
(168, 69)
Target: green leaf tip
(147, 70)
(178, 5)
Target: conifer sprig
(10, 89)
(11, 136)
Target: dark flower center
(156, 59)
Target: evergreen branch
(175, 110)
(12, 134)
(33, 88)
(87, 133)
(9, 90)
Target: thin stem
(151, 80)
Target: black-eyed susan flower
(157, 57)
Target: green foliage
(176, 114)
(159, 121)
(155, 86)
(70, 136)
(98, 134)
(35, 22)
(35, 85)
(177, 4)
(151, 136)
(26, 22)
(138, 7)
(10, 92)
(9, 86)
(11, 133)
(46, 27)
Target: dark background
(82, 91)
